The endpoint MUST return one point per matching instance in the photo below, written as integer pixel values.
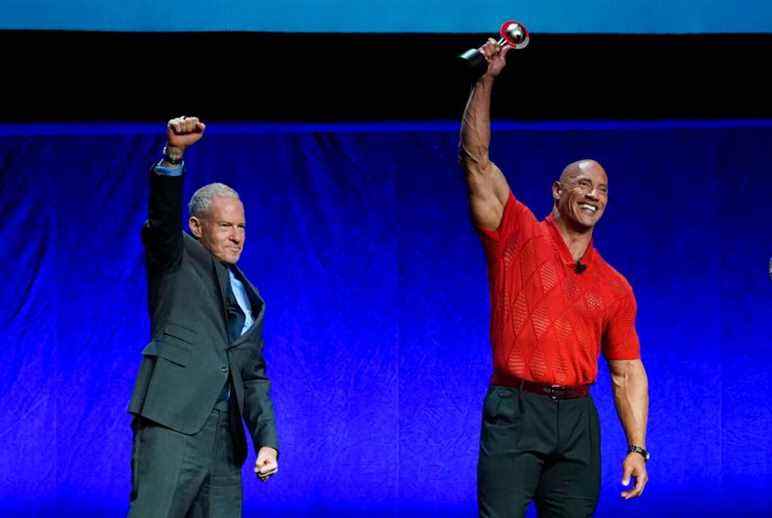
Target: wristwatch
(641, 451)
(173, 155)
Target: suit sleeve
(162, 232)
(258, 408)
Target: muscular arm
(631, 396)
(488, 188)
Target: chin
(230, 259)
(592, 222)
(584, 222)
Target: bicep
(488, 194)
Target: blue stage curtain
(377, 307)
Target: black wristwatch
(172, 155)
(642, 451)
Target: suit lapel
(257, 302)
(221, 276)
(222, 279)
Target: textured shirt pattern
(549, 324)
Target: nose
(593, 194)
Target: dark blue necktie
(235, 324)
(235, 319)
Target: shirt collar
(565, 253)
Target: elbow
(627, 373)
(619, 381)
(474, 165)
(621, 371)
(466, 163)
(472, 156)
(464, 158)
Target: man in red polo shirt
(556, 305)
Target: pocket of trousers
(501, 407)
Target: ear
(557, 189)
(195, 227)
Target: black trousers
(535, 448)
(185, 476)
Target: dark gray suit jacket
(190, 357)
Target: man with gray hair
(203, 371)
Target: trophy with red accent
(513, 34)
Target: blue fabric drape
(377, 307)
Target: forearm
(476, 125)
(631, 396)
(258, 407)
(258, 413)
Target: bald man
(556, 306)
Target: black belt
(553, 391)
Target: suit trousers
(536, 448)
(185, 476)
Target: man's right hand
(182, 132)
(495, 56)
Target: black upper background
(90, 76)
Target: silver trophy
(513, 34)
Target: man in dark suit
(203, 372)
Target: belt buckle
(555, 391)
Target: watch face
(172, 155)
(644, 453)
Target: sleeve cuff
(168, 171)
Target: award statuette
(513, 34)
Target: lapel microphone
(579, 268)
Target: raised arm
(488, 188)
(162, 232)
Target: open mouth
(588, 208)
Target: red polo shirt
(549, 324)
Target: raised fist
(182, 132)
(495, 56)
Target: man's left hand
(634, 466)
(266, 465)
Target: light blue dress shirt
(241, 297)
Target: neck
(576, 237)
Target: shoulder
(615, 280)
(194, 249)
